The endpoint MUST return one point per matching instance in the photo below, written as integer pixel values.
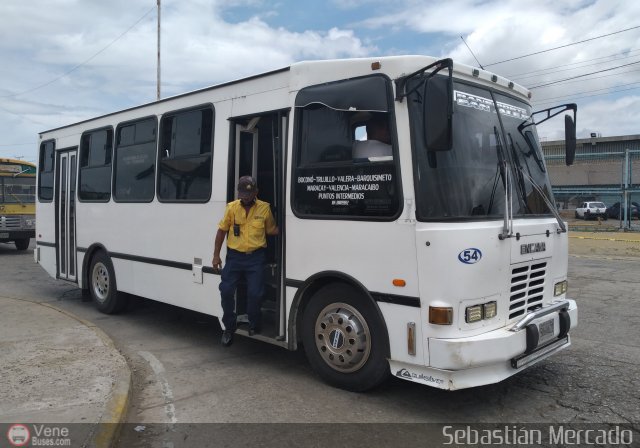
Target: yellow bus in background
(17, 202)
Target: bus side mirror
(570, 139)
(438, 101)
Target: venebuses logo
(18, 435)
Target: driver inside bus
(378, 142)
(246, 223)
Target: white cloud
(40, 41)
(497, 30)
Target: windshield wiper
(508, 213)
(522, 190)
(546, 200)
(500, 173)
(523, 175)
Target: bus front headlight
(30, 223)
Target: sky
(63, 61)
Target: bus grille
(527, 288)
(9, 222)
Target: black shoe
(254, 331)
(227, 338)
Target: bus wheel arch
(343, 332)
(101, 281)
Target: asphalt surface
(183, 378)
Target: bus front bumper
(12, 235)
(493, 356)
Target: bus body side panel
(373, 253)
(154, 245)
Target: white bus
(443, 263)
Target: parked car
(591, 210)
(617, 212)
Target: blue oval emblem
(470, 255)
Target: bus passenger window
(135, 156)
(186, 147)
(95, 166)
(45, 171)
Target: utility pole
(158, 88)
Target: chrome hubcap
(100, 282)
(342, 337)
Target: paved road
(182, 374)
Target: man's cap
(246, 187)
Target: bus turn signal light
(440, 315)
(399, 282)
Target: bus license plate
(546, 330)
(4, 235)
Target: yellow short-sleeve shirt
(253, 226)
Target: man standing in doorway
(247, 221)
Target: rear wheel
(102, 285)
(22, 243)
(345, 339)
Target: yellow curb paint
(603, 239)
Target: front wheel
(345, 339)
(102, 285)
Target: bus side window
(45, 171)
(135, 157)
(95, 165)
(184, 162)
(339, 173)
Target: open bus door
(258, 151)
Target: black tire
(103, 287)
(357, 359)
(22, 243)
(587, 215)
(577, 216)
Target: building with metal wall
(606, 169)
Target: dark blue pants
(251, 267)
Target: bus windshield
(469, 181)
(17, 190)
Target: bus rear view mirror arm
(569, 127)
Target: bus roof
(16, 166)
(319, 71)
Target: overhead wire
(558, 81)
(82, 63)
(563, 46)
(538, 75)
(572, 97)
(533, 72)
(588, 91)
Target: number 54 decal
(470, 255)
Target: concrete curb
(115, 411)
